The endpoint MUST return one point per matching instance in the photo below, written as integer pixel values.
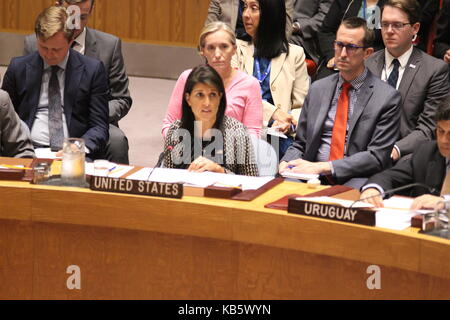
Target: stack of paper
(203, 179)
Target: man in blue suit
(58, 92)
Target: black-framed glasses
(395, 25)
(349, 47)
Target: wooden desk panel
(202, 248)
(16, 259)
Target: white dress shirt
(40, 132)
(80, 42)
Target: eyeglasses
(395, 25)
(350, 48)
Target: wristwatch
(296, 27)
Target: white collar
(81, 39)
(403, 59)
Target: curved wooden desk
(131, 247)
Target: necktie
(446, 185)
(340, 124)
(393, 77)
(55, 123)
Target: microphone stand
(162, 155)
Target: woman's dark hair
(207, 75)
(270, 39)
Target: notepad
(299, 176)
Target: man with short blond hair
(108, 49)
(58, 92)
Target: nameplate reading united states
(138, 187)
(334, 209)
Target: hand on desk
(202, 164)
(303, 166)
(377, 200)
(427, 201)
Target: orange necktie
(340, 124)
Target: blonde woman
(218, 45)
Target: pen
(14, 167)
(222, 185)
(113, 170)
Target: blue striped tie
(55, 122)
(393, 77)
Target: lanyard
(259, 75)
(364, 9)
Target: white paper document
(203, 179)
(45, 153)
(394, 219)
(335, 201)
(274, 132)
(396, 214)
(300, 176)
(116, 170)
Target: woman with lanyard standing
(369, 10)
(279, 66)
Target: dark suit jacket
(373, 128)
(309, 14)
(14, 138)
(442, 40)
(340, 10)
(85, 96)
(424, 85)
(426, 165)
(108, 49)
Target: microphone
(162, 155)
(392, 191)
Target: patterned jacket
(234, 152)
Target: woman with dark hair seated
(279, 66)
(205, 139)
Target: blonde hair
(51, 21)
(214, 27)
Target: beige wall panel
(170, 21)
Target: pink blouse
(244, 102)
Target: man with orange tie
(350, 120)
(429, 165)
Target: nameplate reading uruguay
(335, 212)
(143, 188)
